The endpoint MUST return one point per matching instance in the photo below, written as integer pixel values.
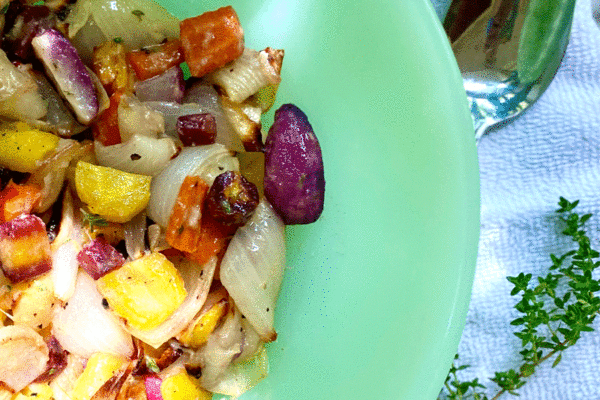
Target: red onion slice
(168, 87)
(65, 68)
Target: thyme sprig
(555, 310)
(92, 220)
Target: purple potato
(71, 77)
(294, 177)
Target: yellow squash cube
(181, 386)
(99, 369)
(23, 147)
(144, 292)
(116, 195)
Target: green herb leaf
(118, 40)
(93, 220)
(151, 365)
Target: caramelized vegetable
(17, 199)
(106, 128)
(144, 292)
(211, 40)
(113, 194)
(24, 248)
(23, 147)
(183, 231)
(294, 177)
(98, 258)
(232, 199)
(152, 61)
(110, 64)
(197, 129)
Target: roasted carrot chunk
(183, 231)
(17, 199)
(106, 128)
(214, 238)
(154, 60)
(211, 40)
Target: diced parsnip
(34, 308)
(24, 248)
(144, 292)
(211, 40)
(5, 394)
(35, 391)
(99, 369)
(23, 147)
(110, 65)
(182, 386)
(250, 72)
(244, 118)
(115, 195)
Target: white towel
(552, 150)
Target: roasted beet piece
(57, 362)
(197, 129)
(232, 198)
(98, 258)
(294, 177)
(24, 248)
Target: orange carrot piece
(17, 199)
(211, 40)
(183, 230)
(106, 128)
(214, 238)
(152, 61)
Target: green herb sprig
(93, 220)
(555, 310)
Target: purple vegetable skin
(294, 178)
(72, 79)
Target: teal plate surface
(376, 292)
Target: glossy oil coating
(376, 294)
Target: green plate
(376, 292)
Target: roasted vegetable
(98, 258)
(232, 198)
(17, 199)
(99, 369)
(152, 61)
(115, 195)
(24, 248)
(181, 386)
(24, 356)
(23, 147)
(72, 78)
(211, 40)
(197, 129)
(144, 292)
(294, 177)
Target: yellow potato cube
(181, 386)
(99, 369)
(23, 147)
(145, 291)
(113, 194)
